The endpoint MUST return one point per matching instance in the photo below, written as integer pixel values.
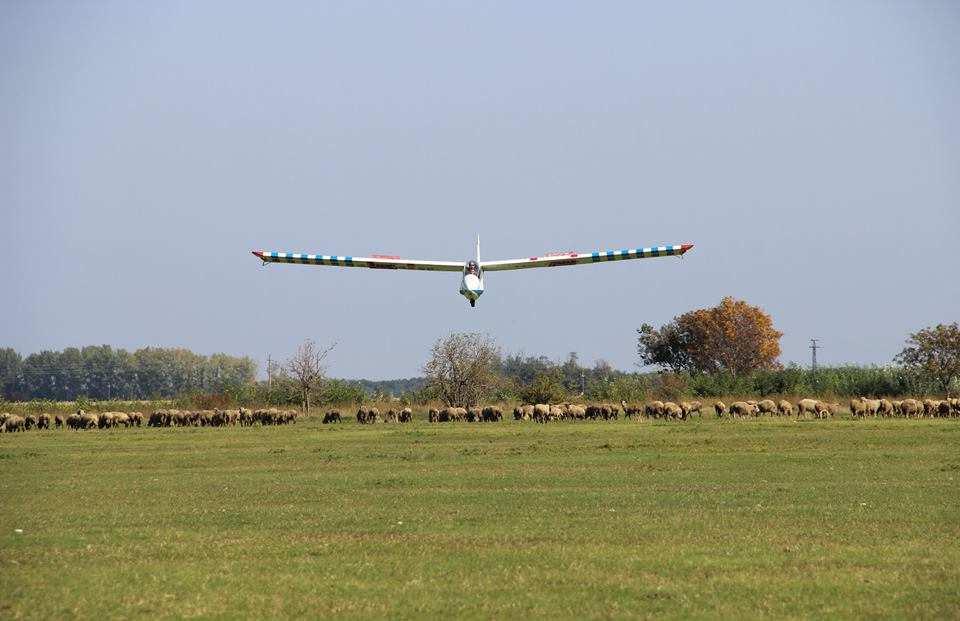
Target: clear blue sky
(811, 150)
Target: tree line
(102, 372)
(730, 349)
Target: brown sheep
(720, 408)
(88, 421)
(858, 408)
(406, 415)
(767, 406)
(43, 421)
(492, 414)
(741, 409)
(433, 415)
(690, 408)
(332, 416)
(58, 421)
(784, 407)
(474, 414)
(672, 410)
(872, 405)
(121, 419)
(911, 407)
(14, 424)
(30, 421)
(885, 408)
(541, 412)
(823, 410)
(106, 420)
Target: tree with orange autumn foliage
(732, 337)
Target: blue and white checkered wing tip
(374, 262)
(582, 258)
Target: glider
(471, 283)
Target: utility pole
(583, 385)
(269, 372)
(814, 346)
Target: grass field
(756, 518)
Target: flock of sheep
(859, 407)
(160, 418)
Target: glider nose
(685, 247)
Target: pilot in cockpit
(472, 268)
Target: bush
(669, 386)
(545, 388)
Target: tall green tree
(934, 353)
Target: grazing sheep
(741, 409)
(30, 421)
(784, 407)
(88, 420)
(823, 410)
(136, 419)
(474, 415)
(58, 421)
(492, 414)
(14, 423)
(452, 415)
(767, 406)
(577, 412)
(406, 415)
(872, 406)
(720, 408)
(121, 419)
(691, 407)
(943, 409)
(433, 415)
(43, 421)
(885, 408)
(391, 416)
(332, 416)
(541, 412)
(672, 410)
(368, 416)
(654, 409)
(858, 408)
(518, 413)
(911, 407)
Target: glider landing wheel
(473, 303)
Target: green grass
(759, 518)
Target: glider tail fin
(478, 249)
